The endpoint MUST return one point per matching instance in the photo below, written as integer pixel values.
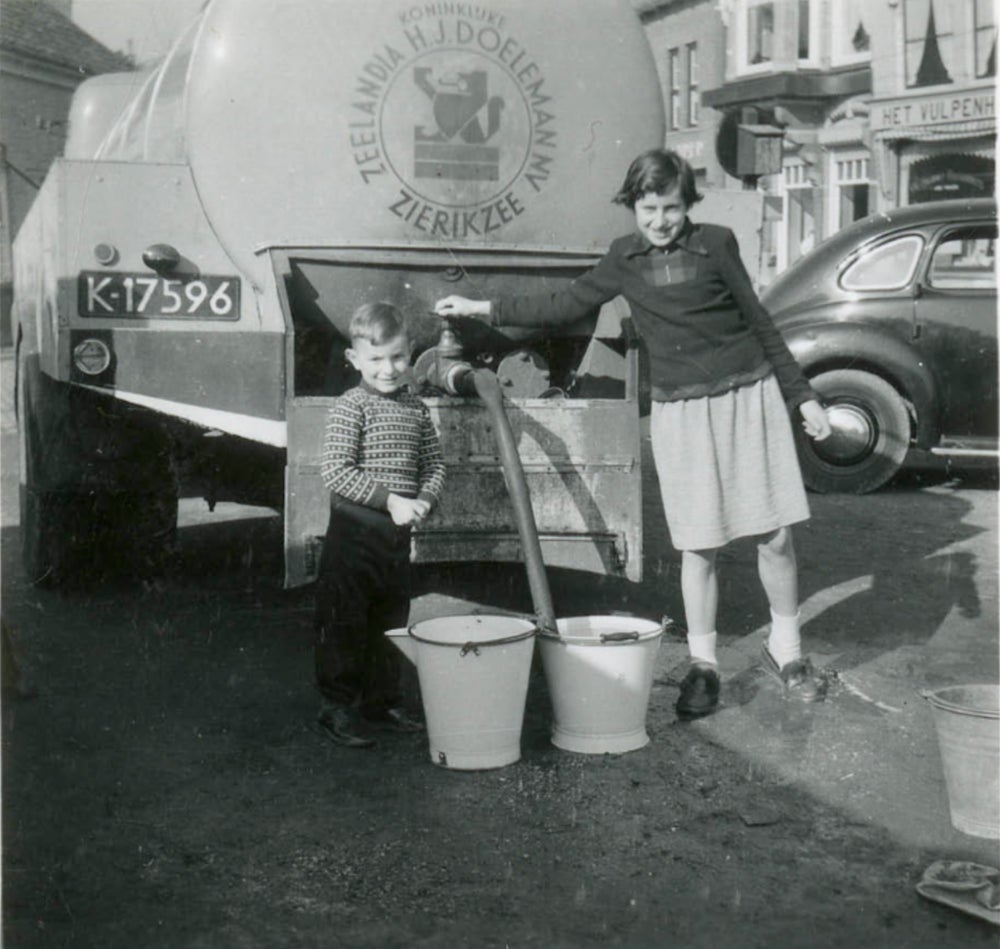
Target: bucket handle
(619, 637)
(474, 647)
(937, 702)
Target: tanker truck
(185, 276)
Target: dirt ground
(163, 788)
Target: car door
(956, 330)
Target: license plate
(143, 295)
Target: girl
(723, 383)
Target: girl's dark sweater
(694, 306)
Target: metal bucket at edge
(967, 718)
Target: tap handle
(449, 345)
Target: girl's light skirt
(727, 466)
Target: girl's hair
(658, 170)
(377, 323)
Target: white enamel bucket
(599, 671)
(473, 672)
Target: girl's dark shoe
(798, 678)
(343, 726)
(699, 692)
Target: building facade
(833, 109)
(932, 115)
(688, 40)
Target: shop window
(889, 266)
(951, 175)
(692, 83)
(804, 32)
(757, 23)
(851, 41)
(965, 260)
(852, 188)
(674, 71)
(800, 212)
(986, 39)
(760, 32)
(931, 42)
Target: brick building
(44, 56)
(688, 40)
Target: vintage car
(894, 320)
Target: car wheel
(870, 439)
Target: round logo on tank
(455, 127)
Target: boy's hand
(461, 306)
(406, 511)
(814, 420)
(422, 507)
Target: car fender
(880, 349)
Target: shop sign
(692, 150)
(960, 106)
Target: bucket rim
(622, 636)
(936, 699)
(468, 645)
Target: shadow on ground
(163, 788)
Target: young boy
(382, 464)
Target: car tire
(871, 434)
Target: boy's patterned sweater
(376, 445)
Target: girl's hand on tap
(461, 306)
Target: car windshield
(888, 266)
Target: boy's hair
(377, 323)
(659, 170)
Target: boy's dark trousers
(363, 589)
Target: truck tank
(182, 287)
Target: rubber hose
(483, 383)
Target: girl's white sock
(784, 643)
(702, 647)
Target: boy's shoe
(398, 719)
(798, 678)
(343, 727)
(699, 692)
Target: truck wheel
(871, 434)
(43, 537)
(86, 535)
(40, 547)
(136, 532)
